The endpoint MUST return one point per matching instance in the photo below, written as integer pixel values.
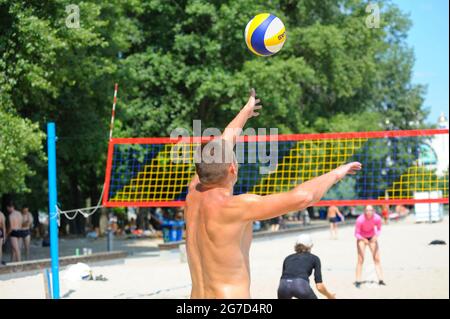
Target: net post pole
(52, 201)
(113, 111)
(109, 245)
(430, 220)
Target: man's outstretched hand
(350, 168)
(252, 105)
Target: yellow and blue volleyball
(265, 34)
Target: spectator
(156, 220)
(133, 226)
(385, 213)
(401, 211)
(15, 232)
(332, 216)
(27, 226)
(2, 236)
(112, 222)
(305, 217)
(256, 225)
(275, 223)
(179, 215)
(103, 222)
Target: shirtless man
(219, 225)
(27, 225)
(2, 235)
(15, 232)
(332, 214)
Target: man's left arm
(340, 214)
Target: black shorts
(274, 221)
(20, 233)
(333, 220)
(297, 287)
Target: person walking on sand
(332, 216)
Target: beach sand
(412, 268)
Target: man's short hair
(213, 160)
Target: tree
(192, 63)
(19, 138)
(50, 72)
(182, 60)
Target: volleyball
(265, 34)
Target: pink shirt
(367, 227)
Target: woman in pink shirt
(368, 228)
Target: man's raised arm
(234, 129)
(255, 207)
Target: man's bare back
(218, 247)
(332, 212)
(2, 220)
(15, 220)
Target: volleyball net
(397, 166)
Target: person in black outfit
(297, 268)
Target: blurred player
(297, 268)
(367, 230)
(332, 216)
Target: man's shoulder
(233, 207)
(244, 198)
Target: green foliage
(177, 61)
(332, 68)
(51, 72)
(18, 139)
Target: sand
(413, 269)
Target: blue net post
(52, 202)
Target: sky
(430, 39)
